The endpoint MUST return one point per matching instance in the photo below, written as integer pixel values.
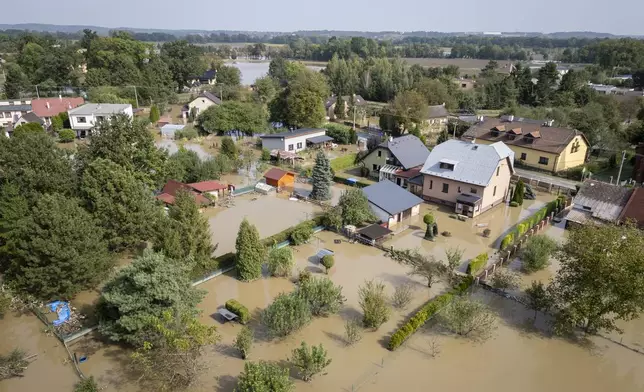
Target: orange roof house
(170, 189)
(208, 186)
(279, 178)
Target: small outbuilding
(170, 189)
(168, 130)
(212, 187)
(373, 234)
(390, 203)
(279, 178)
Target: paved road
(558, 181)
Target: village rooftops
(293, 133)
(408, 150)
(210, 96)
(437, 111)
(99, 108)
(357, 100)
(207, 186)
(634, 209)
(598, 200)
(526, 133)
(48, 107)
(467, 162)
(15, 108)
(276, 174)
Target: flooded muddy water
(516, 358)
(269, 213)
(50, 370)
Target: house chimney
(473, 141)
(47, 104)
(60, 97)
(511, 118)
(443, 104)
(391, 138)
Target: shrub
(264, 376)
(5, 303)
(309, 361)
(373, 302)
(302, 233)
(486, 233)
(244, 341)
(403, 295)
(288, 313)
(476, 264)
(328, 261)
(240, 310)
(323, 297)
(66, 135)
(280, 261)
(468, 318)
(304, 276)
(266, 155)
(536, 254)
(507, 241)
(446, 234)
(186, 133)
(504, 279)
(352, 332)
(86, 385)
(13, 364)
(425, 313)
(341, 134)
(514, 204)
(428, 219)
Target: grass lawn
(343, 162)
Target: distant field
(466, 65)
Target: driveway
(542, 177)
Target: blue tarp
(351, 181)
(62, 309)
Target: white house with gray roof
(471, 177)
(85, 117)
(390, 203)
(295, 140)
(397, 160)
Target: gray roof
(319, 139)
(15, 108)
(32, 117)
(437, 111)
(387, 197)
(357, 100)
(211, 96)
(476, 163)
(100, 108)
(601, 200)
(293, 133)
(416, 180)
(408, 150)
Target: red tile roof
(634, 209)
(56, 105)
(170, 191)
(207, 186)
(276, 174)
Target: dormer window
(448, 164)
(498, 130)
(530, 138)
(513, 133)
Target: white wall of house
(201, 104)
(292, 144)
(83, 123)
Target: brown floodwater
(50, 370)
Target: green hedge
(476, 264)
(342, 180)
(240, 310)
(528, 223)
(425, 313)
(285, 235)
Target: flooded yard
(50, 370)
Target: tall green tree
(228, 148)
(547, 78)
(16, 82)
(123, 205)
(246, 117)
(250, 252)
(600, 280)
(355, 207)
(301, 104)
(184, 61)
(265, 89)
(321, 178)
(409, 108)
(55, 251)
(127, 143)
(150, 286)
(264, 377)
(185, 235)
(154, 114)
(26, 128)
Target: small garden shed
(279, 178)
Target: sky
(616, 16)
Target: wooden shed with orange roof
(279, 178)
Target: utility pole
(221, 93)
(37, 93)
(354, 117)
(621, 166)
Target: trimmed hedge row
(285, 235)
(240, 310)
(528, 223)
(425, 313)
(476, 264)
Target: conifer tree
(154, 114)
(250, 252)
(321, 178)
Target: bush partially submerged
(288, 313)
(240, 310)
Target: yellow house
(535, 143)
